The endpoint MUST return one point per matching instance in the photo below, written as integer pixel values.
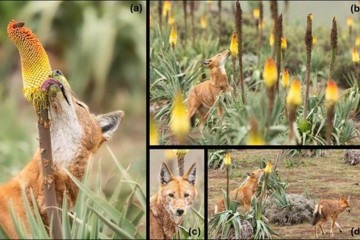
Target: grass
(181, 68)
(120, 215)
(317, 178)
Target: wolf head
(75, 132)
(177, 192)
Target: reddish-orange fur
(203, 96)
(329, 210)
(94, 131)
(242, 194)
(164, 217)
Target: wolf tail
(316, 215)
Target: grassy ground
(316, 177)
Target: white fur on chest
(66, 135)
(222, 69)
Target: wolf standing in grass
(169, 205)
(244, 193)
(203, 96)
(329, 209)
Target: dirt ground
(318, 177)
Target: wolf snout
(348, 210)
(179, 211)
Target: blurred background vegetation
(100, 47)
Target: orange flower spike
(35, 65)
(331, 94)
(173, 35)
(350, 21)
(357, 41)
(171, 19)
(271, 39)
(285, 78)
(203, 22)
(234, 45)
(166, 8)
(270, 73)
(355, 56)
(256, 13)
(293, 98)
(314, 41)
(179, 120)
(283, 43)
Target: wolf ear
(165, 174)
(109, 122)
(190, 176)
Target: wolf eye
(171, 195)
(186, 195)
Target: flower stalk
(254, 138)
(238, 24)
(293, 101)
(270, 75)
(279, 36)
(179, 120)
(185, 17)
(227, 163)
(350, 23)
(356, 60)
(331, 98)
(309, 44)
(180, 156)
(234, 53)
(333, 42)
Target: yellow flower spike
(261, 25)
(154, 136)
(314, 40)
(179, 121)
(270, 73)
(254, 137)
(256, 13)
(357, 41)
(180, 152)
(169, 154)
(227, 159)
(355, 56)
(293, 98)
(268, 168)
(285, 81)
(283, 43)
(331, 94)
(234, 45)
(171, 19)
(166, 8)
(203, 21)
(173, 35)
(271, 39)
(350, 21)
(35, 65)
(311, 17)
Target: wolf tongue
(45, 85)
